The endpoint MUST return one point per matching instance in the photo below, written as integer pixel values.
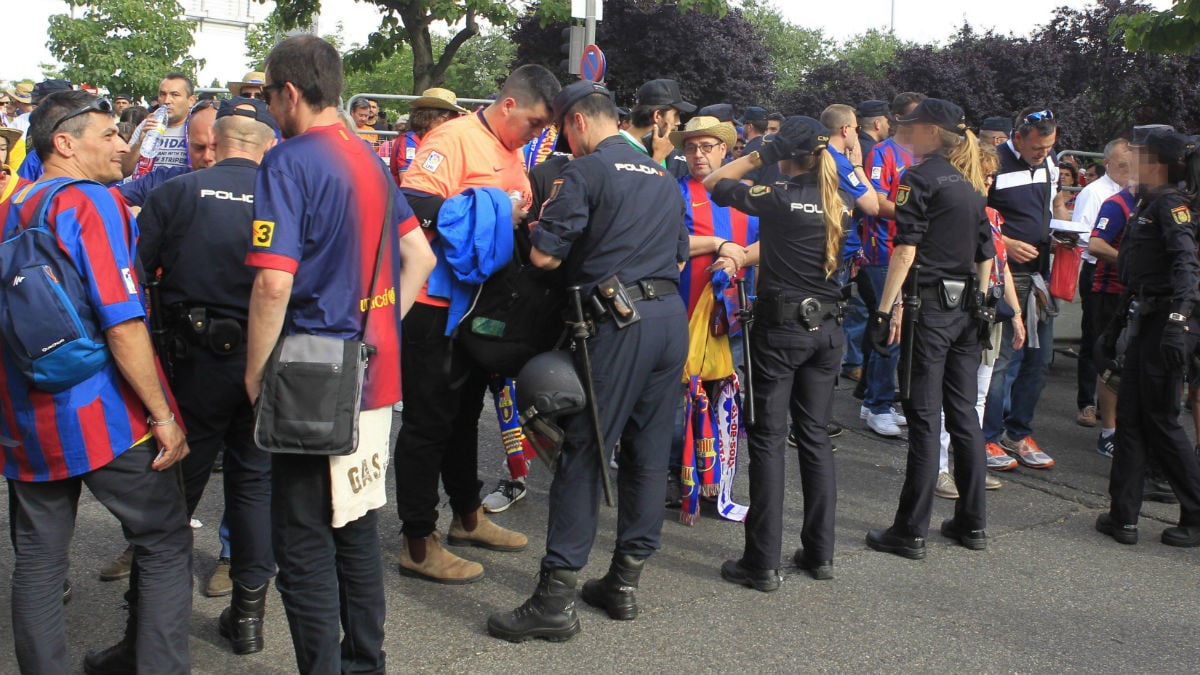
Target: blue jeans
(1017, 421)
(881, 371)
(853, 325)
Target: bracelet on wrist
(160, 423)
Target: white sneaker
(507, 493)
(901, 420)
(863, 411)
(883, 424)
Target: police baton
(580, 334)
(908, 328)
(746, 317)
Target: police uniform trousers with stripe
(794, 370)
(946, 354)
(636, 375)
(1148, 408)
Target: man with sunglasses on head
(1023, 193)
(123, 441)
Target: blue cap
(754, 114)
(722, 111)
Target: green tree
(794, 50)
(1175, 30)
(870, 52)
(262, 37)
(410, 22)
(122, 45)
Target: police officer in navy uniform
(614, 212)
(1158, 265)
(796, 345)
(942, 226)
(195, 228)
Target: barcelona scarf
(517, 448)
(540, 148)
(714, 432)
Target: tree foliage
(713, 57)
(1173, 31)
(1077, 64)
(794, 50)
(123, 45)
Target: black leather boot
(614, 591)
(549, 614)
(242, 621)
(121, 658)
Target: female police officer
(797, 345)
(1158, 265)
(942, 227)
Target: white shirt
(22, 123)
(1087, 207)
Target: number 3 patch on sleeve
(264, 231)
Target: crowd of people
(196, 240)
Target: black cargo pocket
(307, 401)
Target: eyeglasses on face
(693, 148)
(100, 105)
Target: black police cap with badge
(1169, 145)
(798, 137)
(873, 108)
(574, 93)
(938, 112)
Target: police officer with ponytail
(796, 345)
(942, 260)
(1158, 265)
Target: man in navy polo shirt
(1023, 193)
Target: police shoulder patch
(1181, 214)
(760, 190)
(902, 195)
(554, 188)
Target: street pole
(589, 23)
(893, 17)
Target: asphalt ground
(1050, 595)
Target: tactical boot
(425, 558)
(614, 591)
(242, 621)
(549, 614)
(121, 658)
(476, 529)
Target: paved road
(1049, 595)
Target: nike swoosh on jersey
(696, 205)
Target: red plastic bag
(1064, 270)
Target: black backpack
(517, 314)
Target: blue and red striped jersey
(404, 148)
(319, 202)
(706, 219)
(884, 165)
(1110, 226)
(83, 428)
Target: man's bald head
(239, 136)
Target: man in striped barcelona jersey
(718, 235)
(115, 431)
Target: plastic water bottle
(156, 126)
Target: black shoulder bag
(312, 386)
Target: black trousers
(330, 578)
(794, 370)
(1148, 409)
(636, 374)
(1085, 369)
(211, 392)
(443, 398)
(947, 353)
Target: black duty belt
(949, 294)
(649, 289)
(809, 312)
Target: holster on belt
(613, 298)
(198, 326)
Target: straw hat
(22, 93)
(11, 135)
(702, 125)
(256, 78)
(442, 99)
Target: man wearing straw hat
(435, 106)
(250, 86)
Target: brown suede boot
(484, 534)
(436, 563)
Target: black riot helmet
(548, 387)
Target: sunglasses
(254, 94)
(1034, 118)
(100, 105)
(266, 91)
